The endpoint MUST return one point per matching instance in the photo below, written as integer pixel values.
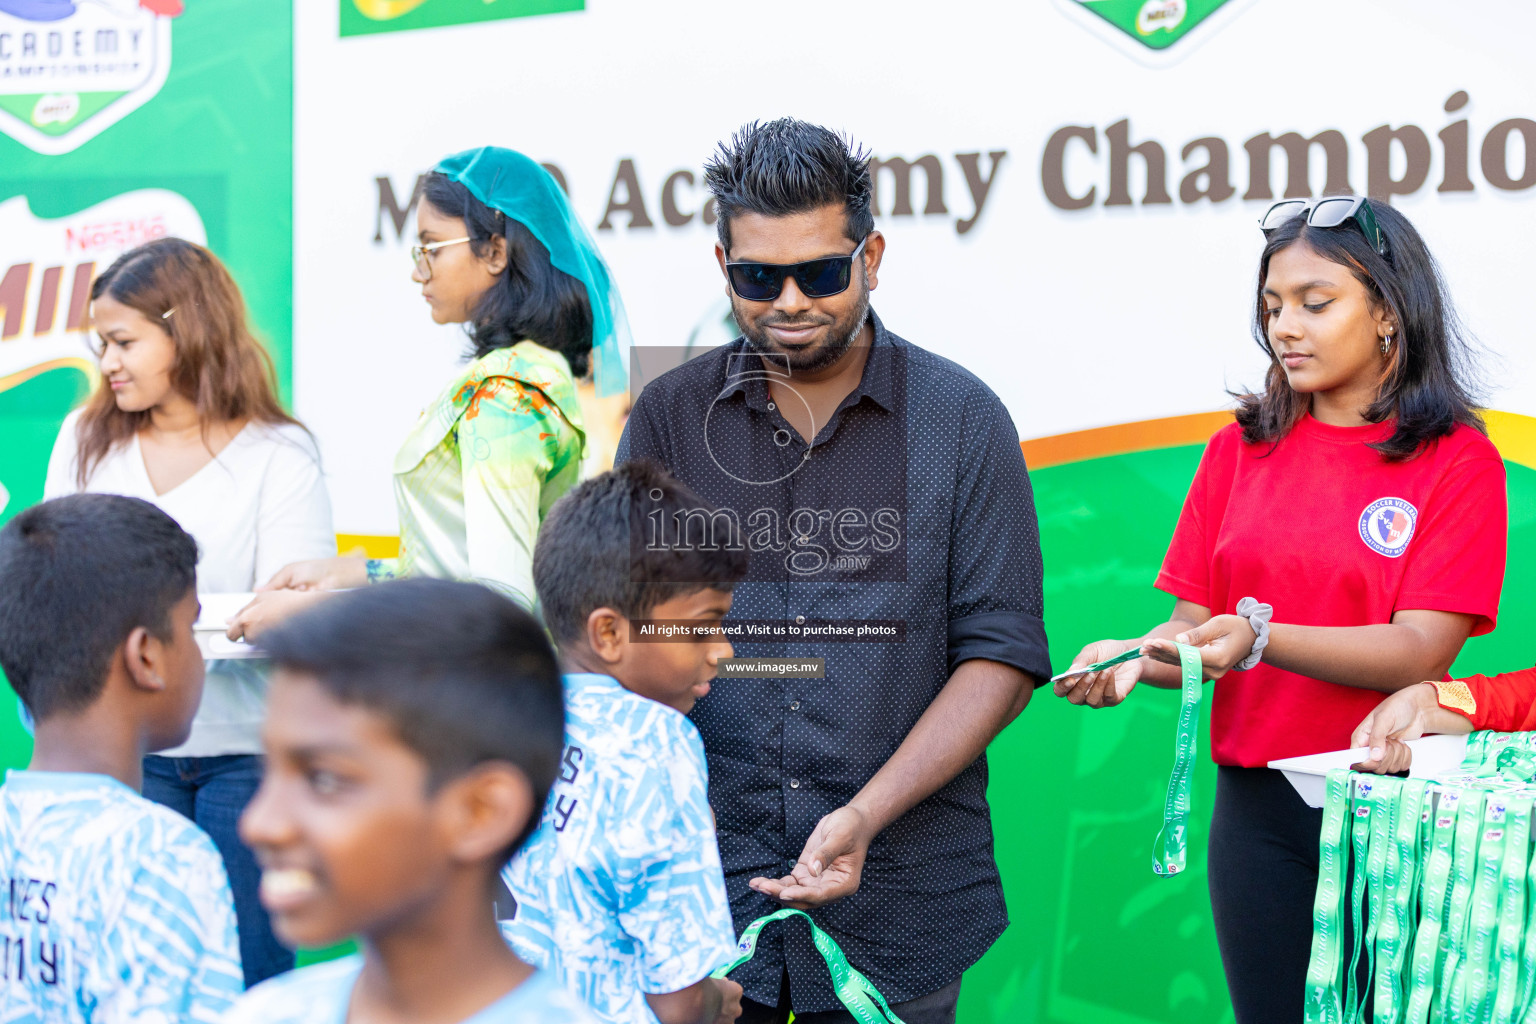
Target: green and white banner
(361, 17)
(123, 121)
(1070, 193)
(69, 70)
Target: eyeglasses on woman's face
(422, 255)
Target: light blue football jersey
(321, 994)
(620, 890)
(112, 908)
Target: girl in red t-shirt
(1358, 497)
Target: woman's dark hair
(534, 300)
(184, 289)
(789, 166)
(1430, 380)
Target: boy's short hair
(593, 549)
(463, 675)
(77, 575)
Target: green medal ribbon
(1440, 880)
(857, 992)
(1428, 950)
(1323, 1003)
(1361, 839)
(1099, 666)
(1170, 848)
(1516, 763)
(1396, 931)
(1469, 821)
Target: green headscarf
(522, 190)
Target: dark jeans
(1263, 879)
(212, 791)
(933, 1008)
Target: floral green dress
(477, 474)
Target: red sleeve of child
(1505, 703)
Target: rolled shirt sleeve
(996, 602)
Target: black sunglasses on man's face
(817, 279)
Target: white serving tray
(1432, 756)
(211, 625)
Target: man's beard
(839, 339)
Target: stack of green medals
(1431, 886)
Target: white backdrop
(1077, 318)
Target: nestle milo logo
(1160, 15)
(1146, 29)
(71, 68)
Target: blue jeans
(213, 791)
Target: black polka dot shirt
(912, 509)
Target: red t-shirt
(1331, 534)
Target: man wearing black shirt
(882, 494)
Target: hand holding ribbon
(1108, 686)
(1222, 640)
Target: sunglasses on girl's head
(816, 279)
(1331, 212)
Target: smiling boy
(620, 891)
(116, 909)
(412, 734)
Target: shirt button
(799, 620)
(794, 783)
(794, 705)
(772, 406)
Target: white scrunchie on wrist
(1258, 617)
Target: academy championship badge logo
(71, 68)
(1156, 32)
(1386, 525)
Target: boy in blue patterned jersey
(412, 733)
(620, 891)
(112, 908)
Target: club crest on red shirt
(1386, 525)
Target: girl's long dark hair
(1430, 380)
(533, 301)
(220, 365)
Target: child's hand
(730, 1001)
(830, 866)
(1389, 758)
(1405, 715)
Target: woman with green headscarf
(501, 251)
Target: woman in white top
(187, 417)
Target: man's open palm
(829, 867)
